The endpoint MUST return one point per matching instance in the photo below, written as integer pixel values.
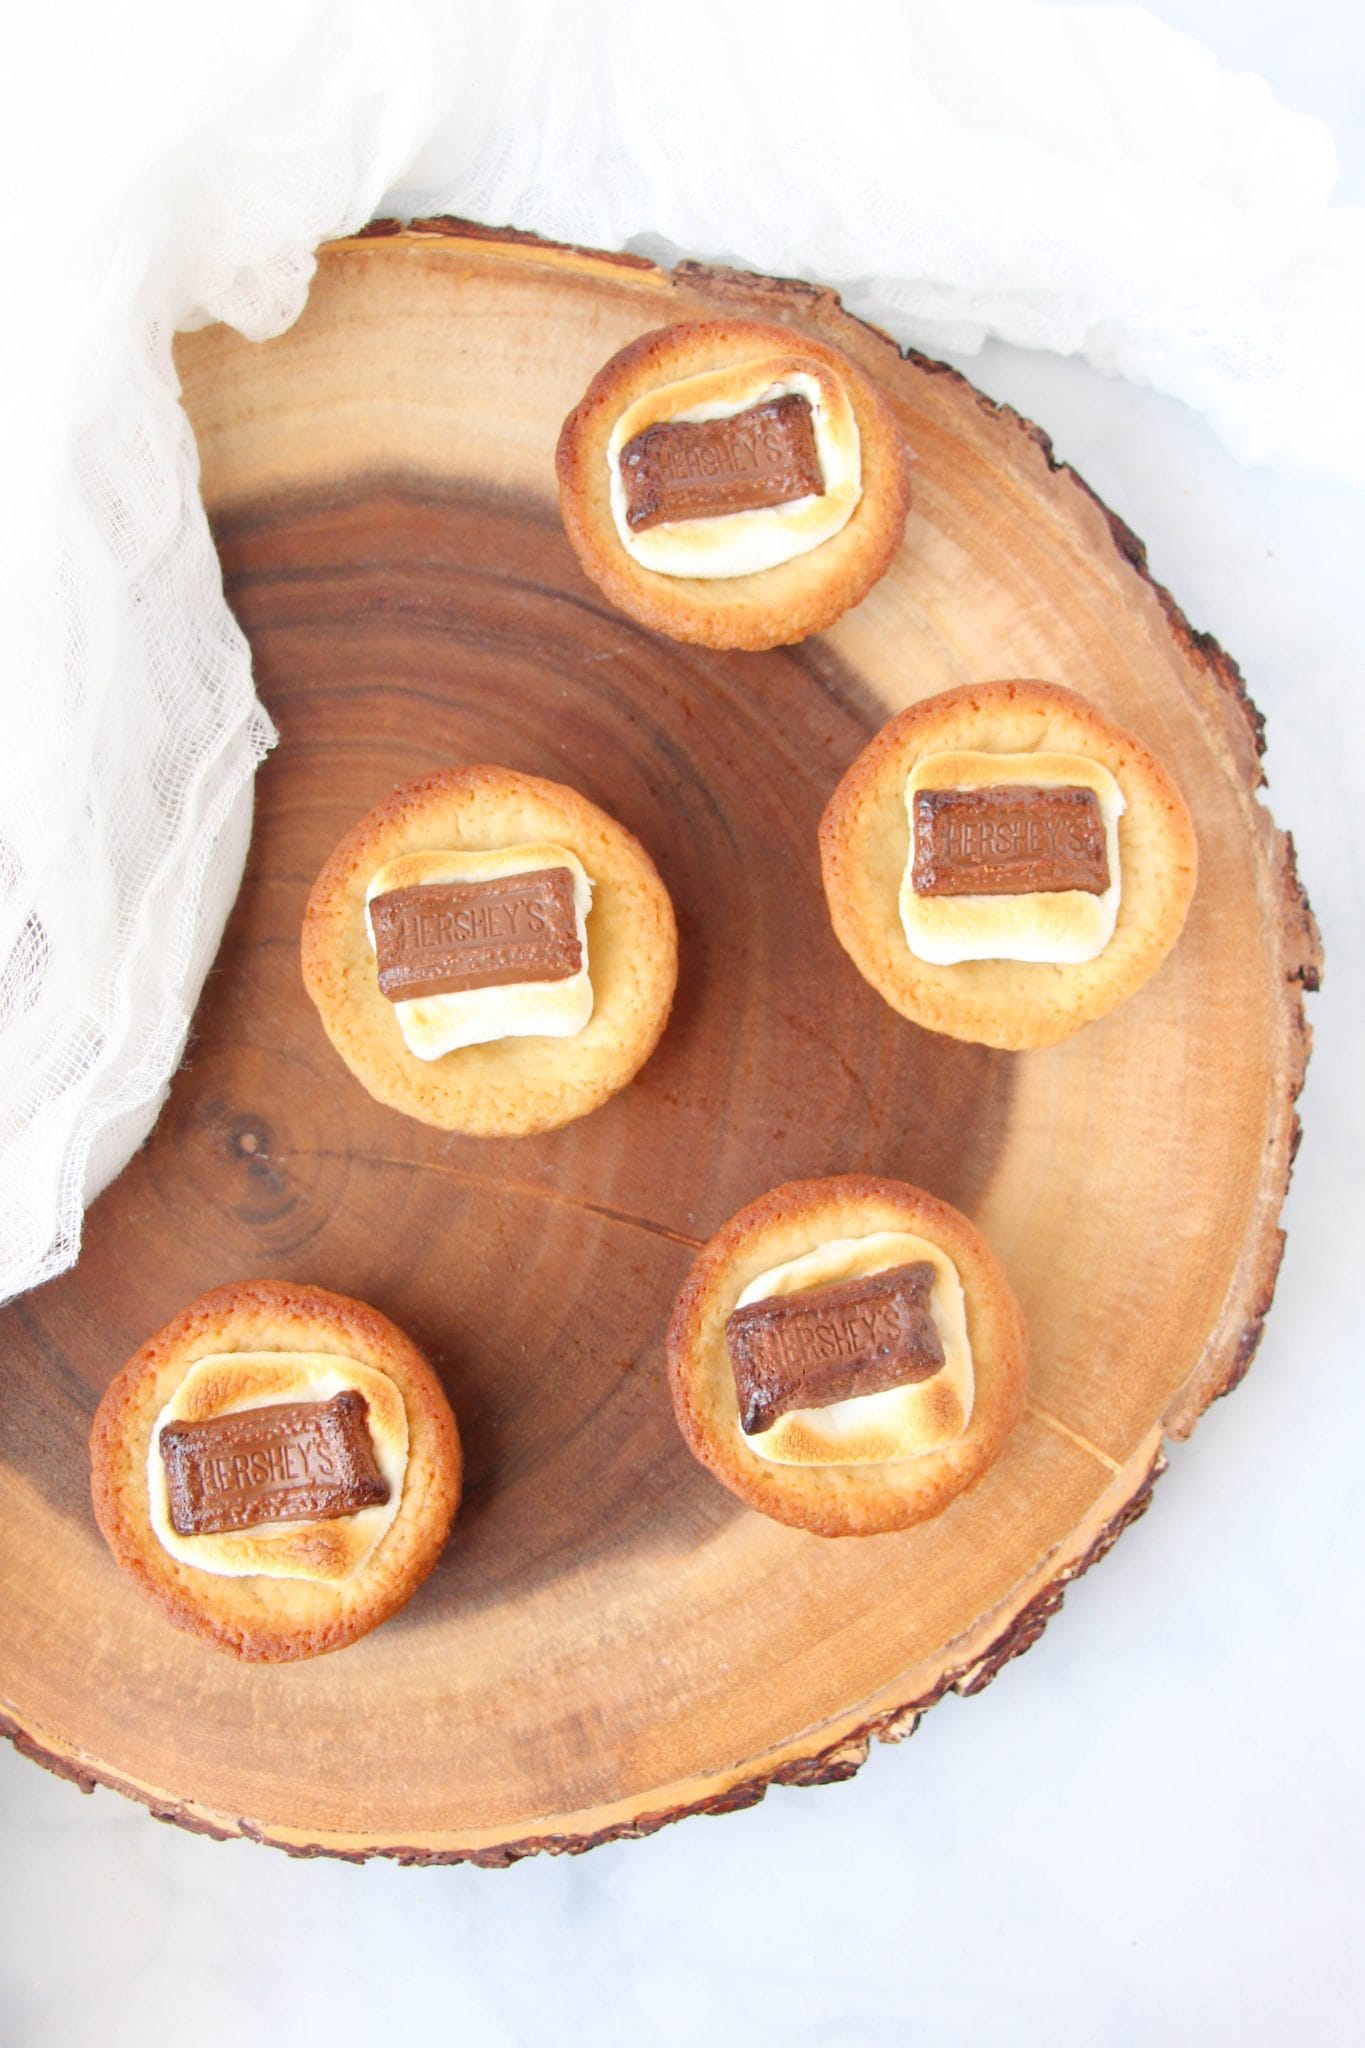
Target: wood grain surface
(611, 1640)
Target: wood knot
(248, 1140)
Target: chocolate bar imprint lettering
(1008, 840)
(441, 938)
(298, 1461)
(833, 1343)
(698, 469)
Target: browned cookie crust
(262, 1619)
(848, 1500)
(865, 838)
(512, 1086)
(771, 607)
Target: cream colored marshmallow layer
(435, 1025)
(902, 1422)
(741, 543)
(324, 1551)
(1062, 927)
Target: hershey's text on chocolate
(835, 1343)
(294, 1461)
(700, 469)
(441, 938)
(1008, 840)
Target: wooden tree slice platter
(611, 1640)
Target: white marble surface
(1149, 1829)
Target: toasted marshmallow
(1063, 926)
(437, 1024)
(741, 543)
(327, 1551)
(902, 1422)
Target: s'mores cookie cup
(1005, 865)
(490, 952)
(278, 1469)
(847, 1356)
(732, 484)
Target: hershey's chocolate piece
(298, 1461)
(1010, 839)
(833, 1343)
(440, 938)
(697, 469)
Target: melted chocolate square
(296, 1461)
(1008, 840)
(834, 1343)
(441, 938)
(700, 469)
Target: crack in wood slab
(1074, 1436)
(554, 1197)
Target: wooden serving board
(611, 1640)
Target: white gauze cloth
(1071, 178)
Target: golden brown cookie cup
(512, 1086)
(848, 1500)
(262, 1619)
(864, 842)
(771, 607)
